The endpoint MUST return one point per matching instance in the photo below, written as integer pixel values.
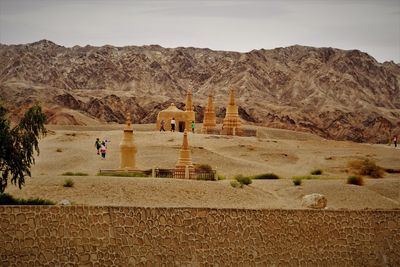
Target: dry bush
(356, 180)
(68, 183)
(74, 174)
(366, 167)
(316, 172)
(203, 167)
(297, 181)
(269, 176)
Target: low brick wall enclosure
(106, 236)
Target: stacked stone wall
(123, 236)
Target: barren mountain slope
(334, 93)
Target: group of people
(101, 147)
(173, 125)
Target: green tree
(18, 144)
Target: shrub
(243, 180)
(366, 167)
(74, 174)
(221, 177)
(81, 174)
(389, 170)
(203, 167)
(297, 181)
(235, 184)
(356, 180)
(68, 182)
(58, 150)
(316, 172)
(7, 199)
(270, 176)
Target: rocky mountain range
(337, 94)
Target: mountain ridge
(337, 94)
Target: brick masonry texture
(123, 236)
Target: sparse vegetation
(74, 174)
(356, 180)
(203, 167)
(68, 183)
(389, 170)
(366, 167)
(221, 177)
(7, 199)
(316, 172)
(124, 174)
(235, 184)
(296, 181)
(243, 180)
(305, 177)
(270, 176)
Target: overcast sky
(235, 25)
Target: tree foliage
(18, 144)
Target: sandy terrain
(282, 152)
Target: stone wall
(106, 236)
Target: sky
(372, 26)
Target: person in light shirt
(173, 125)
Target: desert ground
(285, 153)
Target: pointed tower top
(189, 101)
(128, 119)
(185, 143)
(128, 126)
(210, 104)
(232, 97)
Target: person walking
(103, 150)
(395, 140)
(97, 145)
(162, 125)
(173, 122)
(106, 141)
(193, 126)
